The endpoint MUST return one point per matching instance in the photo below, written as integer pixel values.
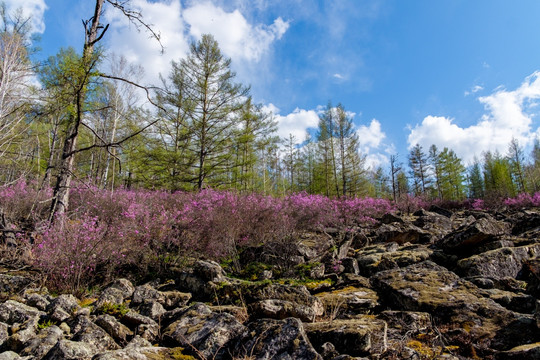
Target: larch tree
(216, 102)
(419, 169)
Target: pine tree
(419, 169)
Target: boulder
(85, 330)
(275, 339)
(141, 325)
(118, 331)
(204, 330)
(13, 284)
(466, 239)
(348, 301)
(40, 345)
(281, 309)
(71, 350)
(360, 336)
(428, 287)
(497, 264)
(523, 352)
(144, 353)
(402, 233)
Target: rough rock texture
(432, 285)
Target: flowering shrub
(105, 232)
(523, 200)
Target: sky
(455, 73)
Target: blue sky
(455, 73)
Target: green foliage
(116, 310)
(43, 324)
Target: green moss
(116, 310)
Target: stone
(144, 353)
(44, 341)
(116, 293)
(348, 301)
(468, 237)
(523, 352)
(152, 309)
(12, 311)
(275, 339)
(144, 326)
(350, 265)
(66, 302)
(13, 284)
(281, 309)
(360, 336)
(209, 271)
(118, 331)
(497, 264)
(38, 301)
(174, 299)
(428, 287)
(86, 331)
(71, 350)
(402, 233)
(208, 332)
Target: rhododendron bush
(139, 231)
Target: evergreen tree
(419, 169)
(476, 182)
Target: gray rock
(116, 293)
(71, 350)
(141, 325)
(13, 283)
(276, 339)
(153, 310)
(66, 302)
(145, 293)
(209, 271)
(205, 330)
(174, 299)
(38, 301)
(13, 311)
(43, 342)
(118, 331)
(281, 309)
(86, 331)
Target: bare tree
(94, 32)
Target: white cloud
(371, 143)
(178, 26)
(295, 123)
(509, 114)
(34, 9)
(166, 19)
(474, 90)
(236, 37)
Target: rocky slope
(433, 285)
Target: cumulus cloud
(166, 19)
(34, 9)
(371, 139)
(509, 114)
(295, 123)
(236, 37)
(178, 25)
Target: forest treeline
(85, 116)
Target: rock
(13, 284)
(357, 337)
(518, 302)
(281, 309)
(348, 301)
(205, 330)
(374, 258)
(404, 323)
(497, 264)
(144, 326)
(438, 225)
(209, 271)
(531, 273)
(144, 353)
(441, 211)
(350, 265)
(431, 288)
(389, 218)
(116, 293)
(10, 355)
(523, 352)
(466, 239)
(38, 301)
(275, 339)
(118, 331)
(71, 350)
(174, 299)
(402, 233)
(86, 331)
(4, 332)
(43, 342)
(68, 303)
(145, 293)
(152, 309)
(12, 312)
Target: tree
(451, 175)
(15, 76)
(419, 169)
(395, 169)
(83, 72)
(434, 161)
(476, 182)
(517, 159)
(497, 177)
(215, 104)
